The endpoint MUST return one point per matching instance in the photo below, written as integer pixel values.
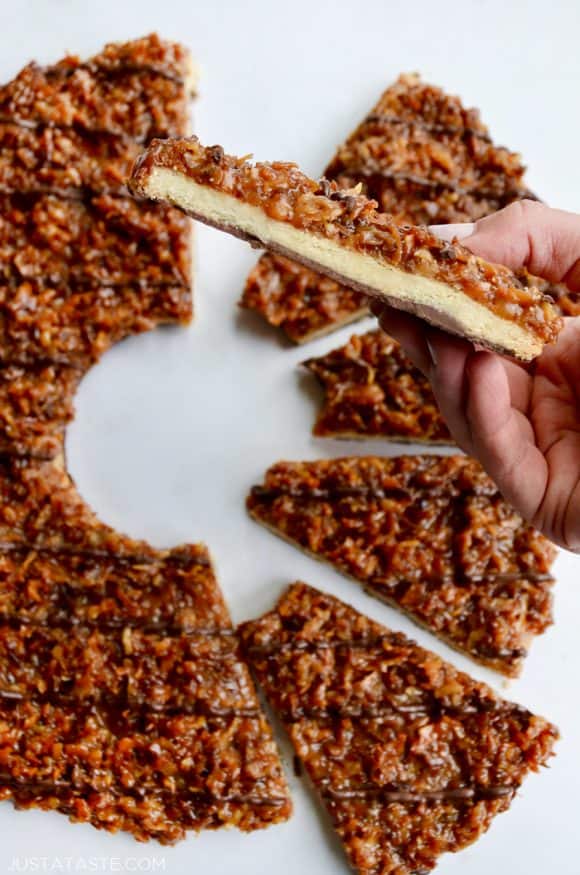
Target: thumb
(531, 235)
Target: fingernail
(432, 351)
(461, 230)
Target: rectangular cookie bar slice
(430, 535)
(74, 127)
(341, 234)
(372, 390)
(411, 758)
(68, 136)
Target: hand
(521, 421)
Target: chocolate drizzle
(60, 619)
(430, 711)
(135, 705)
(404, 796)
(336, 493)
(39, 125)
(191, 798)
(421, 124)
(430, 708)
(123, 69)
(364, 171)
(180, 557)
(307, 646)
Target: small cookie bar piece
(372, 390)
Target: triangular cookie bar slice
(430, 535)
(426, 158)
(410, 757)
(423, 157)
(303, 303)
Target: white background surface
(173, 427)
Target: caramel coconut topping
(124, 699)
(430, 535)
(100, 240)
(341, 234)
(410, 757)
